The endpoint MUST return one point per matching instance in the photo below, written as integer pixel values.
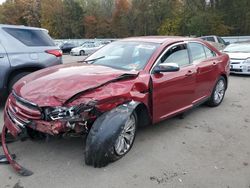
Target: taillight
(57, 53)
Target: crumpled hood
(53, 86)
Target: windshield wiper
(90, 60)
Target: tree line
(122, 18)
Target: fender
(104, 133)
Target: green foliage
(122, 18)
(170, 27)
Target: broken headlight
(66, 113)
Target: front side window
(177, 54)
(197, 52)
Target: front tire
(82, 53)
(218, 93)
(110, 149)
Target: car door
(4, 66)
(173, 91)
(205, 61)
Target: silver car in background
(86, 48)
(239, 54)
(216, 41)
(24, 50)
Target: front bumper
(16, 125)
(17, 116)
(240, 68)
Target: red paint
(172, 92)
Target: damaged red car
(128, 83)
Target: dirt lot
(210, 148)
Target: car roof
(160, 39)
(208, 36)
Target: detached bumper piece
(11, 158)
(17, 113)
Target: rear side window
(31, 37)
(197, 52)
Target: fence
(78, 42)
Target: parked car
(66, 47)
(24, 50)
(239, 54)
(86, 48)
(216, 41)
(128, 83)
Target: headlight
(58, 113)
(247, 61)
(67, 113)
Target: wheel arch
(226, 79)
(143, 115)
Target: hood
(238, 55)
(55, 85)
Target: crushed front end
(21, 115)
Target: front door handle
(1, 56)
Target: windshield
(124, 55)
(243, 47)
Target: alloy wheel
(219, 91)
(126, 138)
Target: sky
(1, 1)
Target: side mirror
(166, 67)
(227, 43)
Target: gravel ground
(209, 148)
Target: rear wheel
(15, 78)
(218, 93)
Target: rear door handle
(1, 56)
(189, 73)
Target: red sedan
(128, 83)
